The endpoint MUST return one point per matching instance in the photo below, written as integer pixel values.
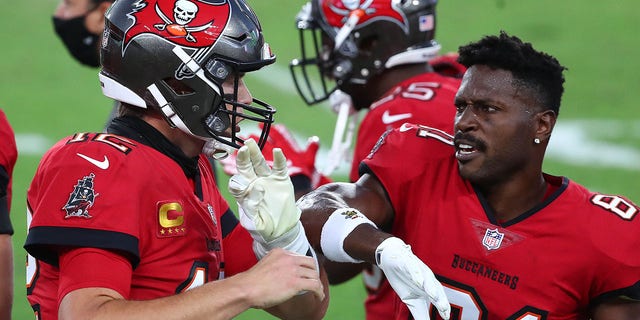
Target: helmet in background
(175, 56)
(350, 41)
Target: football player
(79, 25)
(381, 57)
(8, 157)
(505, 239)
(129, 224)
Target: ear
(546, 120)
(95, 19)
(102, 9)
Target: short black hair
(534, 69)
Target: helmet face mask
(345, 43)
(176, 55)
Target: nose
(465, 120)
(244, 96)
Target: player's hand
(448, 65)
(265, 195)
(300, 161)
(279, 276)
(412, 280)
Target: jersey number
(119, 143)
(616, 205)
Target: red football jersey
(105, 191)
(8, 157)
(553, 262)
(425, 99)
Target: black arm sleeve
(5, 222)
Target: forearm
(222, 299)
(304, 306)
(6, 273)
(366, 197)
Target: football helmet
(176, 54)
(347, 42)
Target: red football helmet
(176, 54)
(350, 41)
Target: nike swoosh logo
(104, 164)
(388, 118)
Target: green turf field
(46, 95)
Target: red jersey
(426, 99)
(8, 158)
(106, 191)
(570, 252)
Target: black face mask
(81, 43)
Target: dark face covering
(81, 43)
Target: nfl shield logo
(492, 239)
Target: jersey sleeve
(8, 157)
(406, 156)
(237, 243)
(618, 273)
(81, 196)
(238, 246)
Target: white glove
(265, 196)
(412, 280)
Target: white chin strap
(343, 133)
(114, 90)
(217, 150)
(413, 56)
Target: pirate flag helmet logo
(184, 22)
(174, 55)
(338, 12)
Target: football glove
(301, 161)
(266, 201)
(411, 279)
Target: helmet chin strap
(343, 133)
(217, 150)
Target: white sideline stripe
(573, 142)
(32, 144)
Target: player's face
(68, 9)
(494, 126)
(243, 96)
(93, 16)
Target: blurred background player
(129, 224)
(79, 25)
(381, 57)
(8, 158)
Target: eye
(460, 107)
(486, 108)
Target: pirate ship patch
(81, 198)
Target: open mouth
(467, 148)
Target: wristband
(339, 225)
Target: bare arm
(276, 278)
(6, 274)
(617, 309)
(350, 237)
(366, 195)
